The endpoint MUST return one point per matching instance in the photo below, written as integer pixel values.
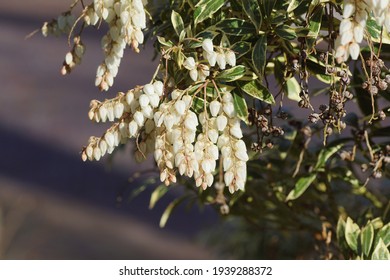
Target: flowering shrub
(221, 108)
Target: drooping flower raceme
(353, 24)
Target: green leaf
(315, 22)
(366, 238)
(158, 193)
(231, 74)
(384, 234)
(325, 154)
(257, 90)
(236, 27)
(163, 42)
(380, 252)
(259, 55)
(373, 28)
(301, 186)
(241, 48)
(268, 6)
(293, 89)
(252, 9)
(240, 106)
(168, 211)
(352, 232)
(285, 32)
(177, 22)
(293, 5)
(340, 231)
(206, 8)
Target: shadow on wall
(49, 169)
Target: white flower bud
(354, 50)
(227, 97)
(221, 61)
(109, 137)
(148, 112)
(169, 121)
(133, 129)
(129, 97)
(180, 107)
(191, 121)
(69, 58)
(194, 74)
(96, 153)
(89, 151)
(227, 163)
(346, 37)
(143, 100)
(103, 113)
(212, 58)
(139, 118)
(148, 89)
(231, 58)
(206, 166)
(213, 135)
(221, 122)
(187, 100)
(229, 110)
(229, 176)
(358, 33)
(154, 100)
(103, 146)
(189, 63)
(345, 25)
(207, 45)
(158, 88)
(118, 110)
(215, 107)
(349, 9)
(236, 131)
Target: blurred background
(53, 205)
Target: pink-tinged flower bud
(215, 107)
(207, 45)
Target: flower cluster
(125, 19)
(133, 112)
(171, 131)
(62, 25)
(355, 15)
(200, 71)
(73, 57)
